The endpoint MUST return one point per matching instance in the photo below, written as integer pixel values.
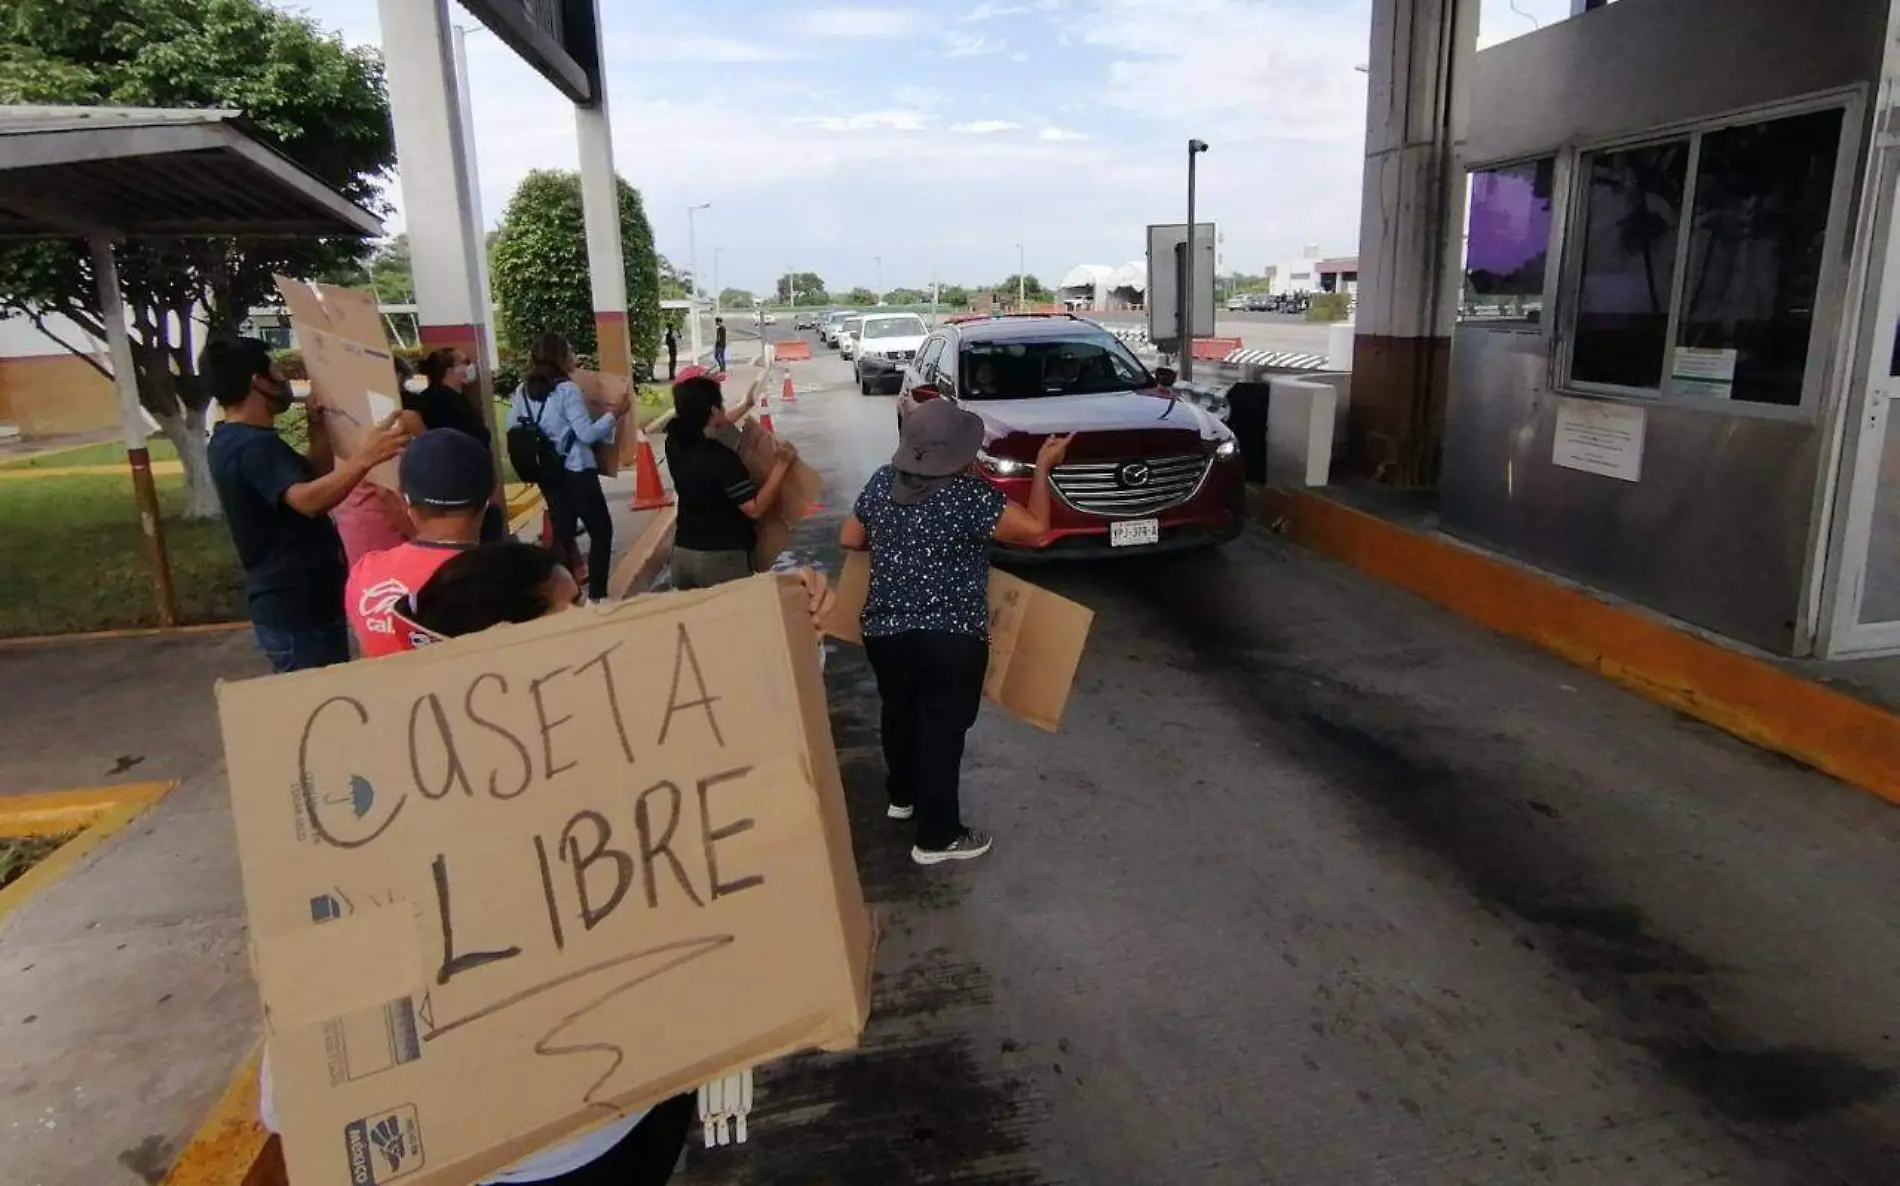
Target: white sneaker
(967, 847)
(896, 812)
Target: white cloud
(989, 10)
(964, 45)
(714, 50)
(781, 146)
(863, 121)
(911, 95)
(1019, 57)
(868, 23)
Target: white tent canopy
(1084, 285)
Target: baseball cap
(446, 468)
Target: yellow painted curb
(1752, 698)
(95, 812)
(33, 640)
(232, 1146)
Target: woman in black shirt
(445, 402)
(718, 500)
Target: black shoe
(967, 847)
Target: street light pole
(1020, 279)
(879, 261)
(1186, 311)
(718, 293)
(692, 264)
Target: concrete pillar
(484, 295)
(1410, 235)
(600, 202)
(444, 225)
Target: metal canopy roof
(126, 172)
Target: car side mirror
(1166, 376)
(926, 391)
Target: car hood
(1115, 411)
(887, 345)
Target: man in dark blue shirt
(278, 503)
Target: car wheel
(864, 386)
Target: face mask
(468, 373)
(281, 397)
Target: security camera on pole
(1181, 281)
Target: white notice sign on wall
(1704, 372)
(1600, 438)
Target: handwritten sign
(507, 887)
(1036, 639)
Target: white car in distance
(847, 332)
(886, 342)
(834, 320)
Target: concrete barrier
(791, 351)
(1215, 349)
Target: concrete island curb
(95, 814)
(1745, 695)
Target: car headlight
(1226, 449)
(1004, 467)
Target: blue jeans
(304, 648)
(719, 359)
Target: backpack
(534, 456)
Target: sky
(939, 134)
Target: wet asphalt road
(1321, 885)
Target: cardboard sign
(507, 887)
(1036, 639)
(346, 354)
(797, 494)
(602, 393)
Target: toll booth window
(1508, 241)
(1756, 246)
(1632, 215)
(1700, 259)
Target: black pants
(644, 1157)
(931, 683)
(576, 503)
(672, 362)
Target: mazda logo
(1134, 473)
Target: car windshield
(895, 327)
(1067, 366)
(851, 325)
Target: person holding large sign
(928, 522)
(277, 503)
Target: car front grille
(1125, 489)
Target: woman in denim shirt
(552, 402)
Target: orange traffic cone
(648, 493)
(765, 420)
(788, 395)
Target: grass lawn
(20, 853)
(71, 558)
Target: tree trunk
(185, 429)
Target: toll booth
(1675, 348)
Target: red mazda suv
(1148, 472)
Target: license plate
(1133, 532)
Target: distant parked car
(806, 321)
(1237, 302)
(768, 319)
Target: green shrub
(1328, 306)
